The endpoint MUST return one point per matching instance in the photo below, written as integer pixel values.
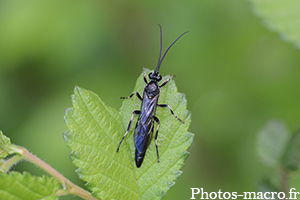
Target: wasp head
(155, 76)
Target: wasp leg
(155, 137)
(166, 81)
(129, 125)
(166, 105)
(145, 79)
(137, 94)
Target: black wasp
(143, 131)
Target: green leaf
(94, 133)
(4, 141)
(281, 16)
(272, 140)
(17, 186)
(291, 157)
(52, 197)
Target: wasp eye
(150, 75)
(158, 77)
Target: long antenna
(160, 59)
(161, 47)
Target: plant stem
(9, 163)
(284, 180)
(70, 187)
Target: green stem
(284, 180)
(70, 187)
(10, 162)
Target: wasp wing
(144, 128)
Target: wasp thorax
(152, 89)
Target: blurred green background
(236, 75)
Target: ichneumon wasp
(143, 131)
